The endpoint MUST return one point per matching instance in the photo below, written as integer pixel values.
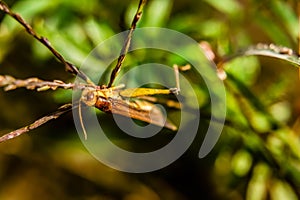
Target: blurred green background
(258, 154)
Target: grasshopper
(131, 102)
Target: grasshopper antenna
(81, 119)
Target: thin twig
(69, 66)
(268, 50)
(127, 42)
(63, 109)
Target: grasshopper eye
(89, 97)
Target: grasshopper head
(89, 96)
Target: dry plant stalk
(61, 110)
(10, 83)
(69, 66)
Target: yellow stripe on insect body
(138, 92)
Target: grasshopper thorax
(90, 96)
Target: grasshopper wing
(141, 110)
